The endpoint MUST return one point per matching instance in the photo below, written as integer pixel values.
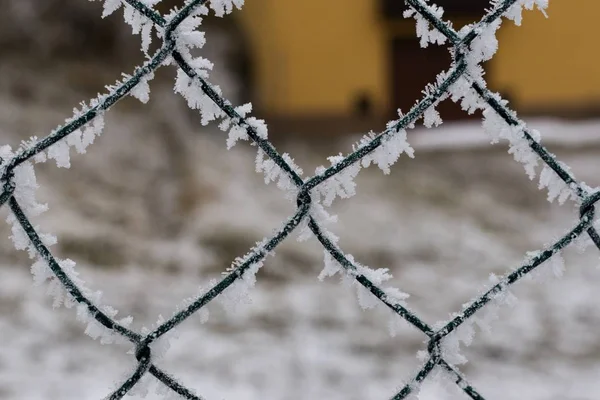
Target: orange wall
(313, 56)
(551, 61)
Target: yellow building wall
(315, 56)
(550, 62)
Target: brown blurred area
(348, 71)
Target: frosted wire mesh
(462, 82)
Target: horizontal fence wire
(460, 41)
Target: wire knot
(143, 353)
(303, 198)
(588, 204)
(433, 348)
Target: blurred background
(158, 206)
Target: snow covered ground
(149, 229)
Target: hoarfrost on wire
(425, 31)
(440, 385)
(342, 184)
(482, 48)
(463, 334)
(200, 95)
(25, 180)
(238, 293)
(366, 299)
(25, 188)
(500, 296)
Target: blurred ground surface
(441, 222)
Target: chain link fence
(463, 81)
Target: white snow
(555, 132)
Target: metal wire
(435, 359)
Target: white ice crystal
(519, 145)
(274, 173)
(557, 188)
(384, 156)
(425, 31)
(141, 91)
(463, 92)
(238, 293)
(515, 12)
(431, 117)
(197, 99)
(222, 7)
(482, 48)
(485, 45)
(451, 344)
(319, 213)
(110, 6)
(339, 185)
(439, 385)
(25, 194)
(60, 152)
(366, 299)
(332, 266)
(500, 296)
